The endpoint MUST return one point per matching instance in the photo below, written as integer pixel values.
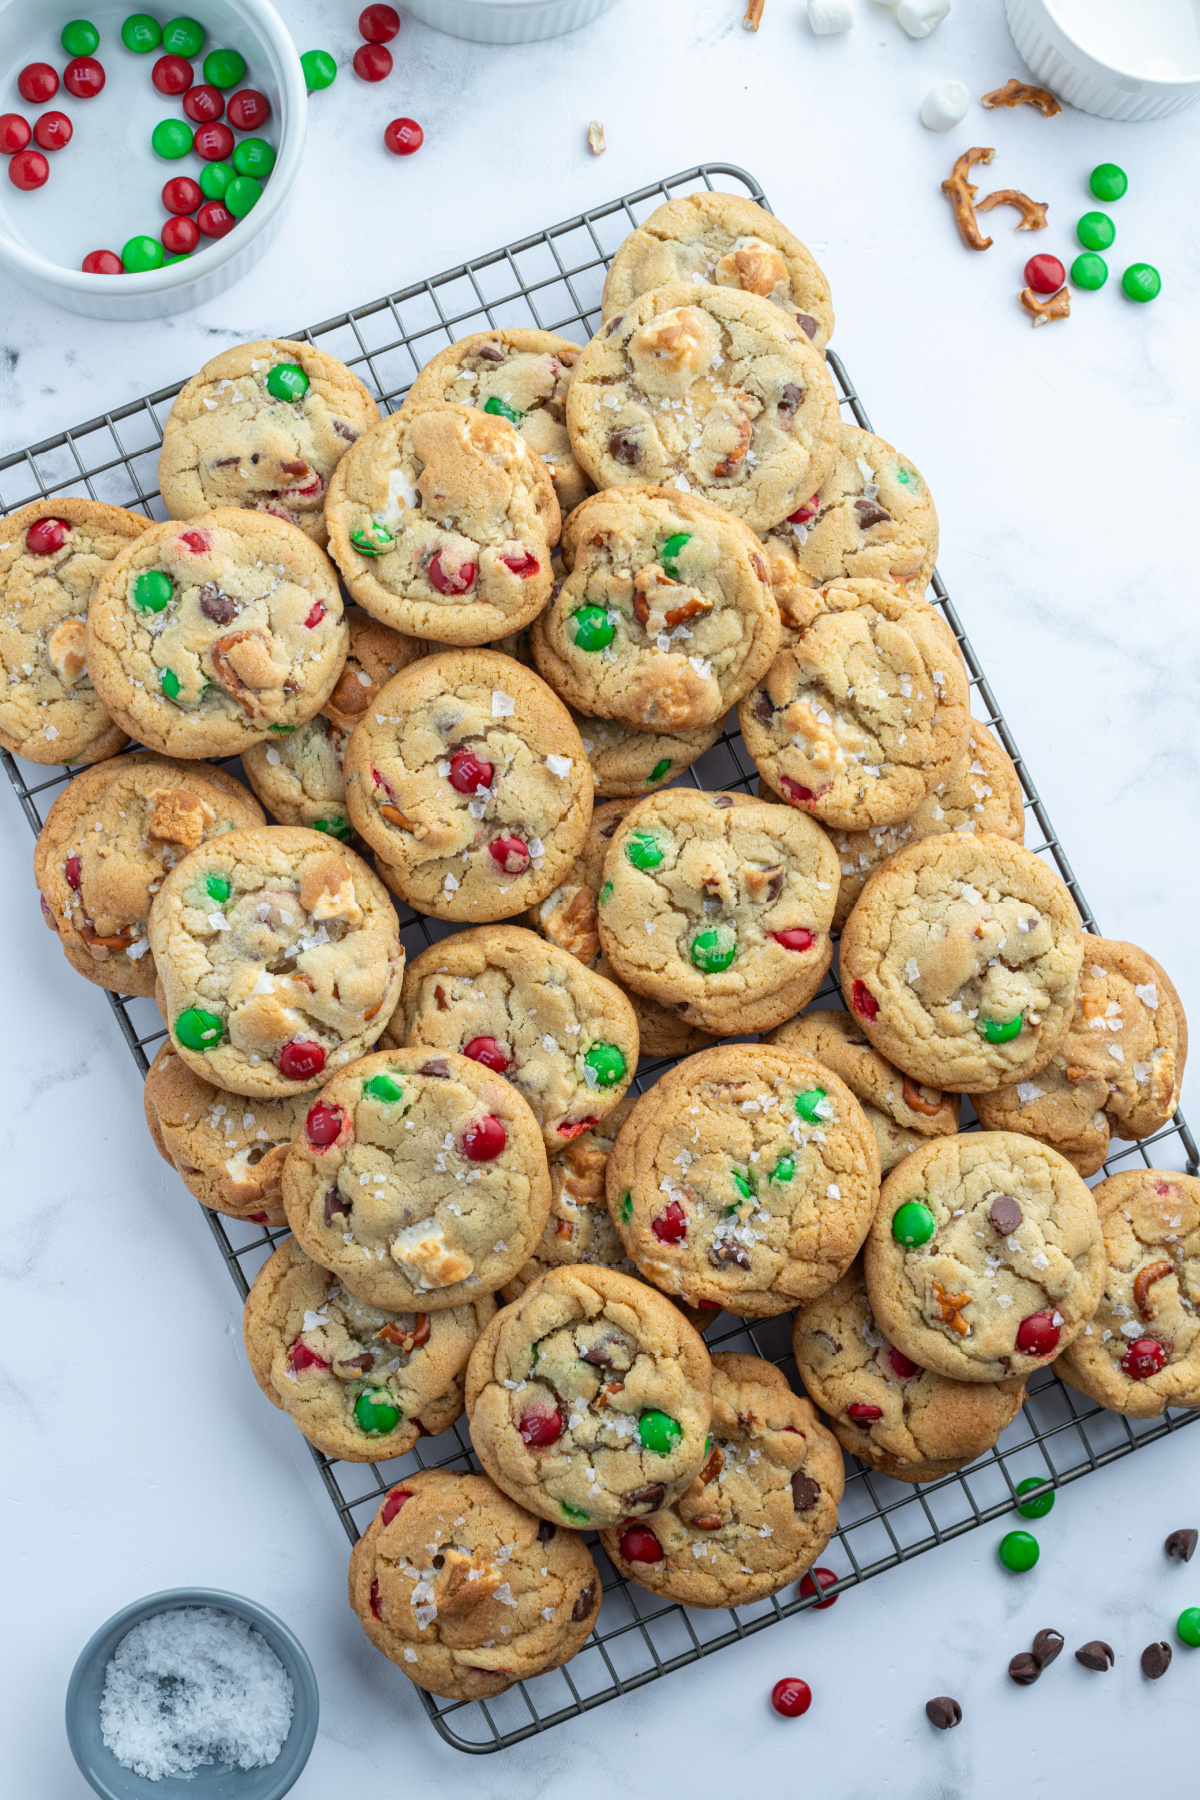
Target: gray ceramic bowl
(215, 1781)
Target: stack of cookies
(485, 1216)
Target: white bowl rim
(262, 15)
(1164, 83)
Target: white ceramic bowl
(508, 21)
(105, 187)
(1081, 76)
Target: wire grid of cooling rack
(552, 280)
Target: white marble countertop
(140, 1453)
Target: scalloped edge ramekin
(1081, 79)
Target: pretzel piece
(754, 13)
(961, 195)
(1044, 308)
(1020, 93)
(1033, 212)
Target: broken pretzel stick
(753, 18)
(1045, 307)
(1033, 212)
(1020, 93)
(961, 195)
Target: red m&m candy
(38, 82)
(83, 77)
(248, 109)
(214, 142)
(322, 1125)
(469, 774)
(487, 1051)
(172, 75)
(214, 219)
(379, 24)
(53, 131)
(43, 538)
(103, 262)
(28, 169)
(791, 1697)
(402, 137)
(203, 103)
(1144, 1357)
(541, 1425)
(670, 1227)
(484, 1139)
(639, 1544)
(1045, 274)
(824, 1578)
(180, 236)
(301, 1059)
(181, 194)
(371, 62)
(14, 133)
(1038, 1334)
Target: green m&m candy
(170, 684)
(808, 1105)
(785, 1169)
(79, 37)
(606, 892)
(215, 177)
(999, 1031)
(644, 851)
(371, 539)
(287, 381)
(320, 70)
(1035, 1509)
(182, 37)
(140, 33)
(744, 1185)
(217, 888)
(627, 1206)
(606, 1063)
(197, 1030)
(243, 195)
(1187, 1627)
(384, 1089)
(575, 1514)
(593, 629)
(1089, 271)
(714, 949)
(171, 139)
(376, 1413)
(659, 1432)
(500, 409)
(140, 254)
(913, 1224)
(1107, 181)
(152, 590)
(670, 552)
(254, 156)
(338, 828)
(1018, 1551)
(1095, 231)
(1141, 281)
(283, 730)
(659, 770)
(224, 68)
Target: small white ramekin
(252, 27)
(1080, 78)
(507, 21)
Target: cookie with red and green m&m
(961, 960)
(467, 1593)
(883, 1408)
(590, 1398)
(719, 906)
(1140, 1351)
(441, 519)
(469, 781)
(565, 1037)
(361, 1383)
(747, 1178)
(278, 957)
(760, 1511)
(263, 426)
(985, 1258)
(419, 1179)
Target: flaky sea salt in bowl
(203, 1683)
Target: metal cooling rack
(552, 280)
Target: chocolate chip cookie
(263, 426)
(884, 1409)
(109, 841)
(278, 956)
(760, 1511)
(627, 764)
(204, 638)
(360, 1383)
(590, 1398)
(465, 1592)
(872, 518)
(1117, 1072)
(52, 555)
(985, 1259)
(709, 390)
(441, 519)
(419, 1180)
(1140, 1352)
(721, 911)
(519, 375)
(731, 242)
(902, 1114)
(468, 780)
(862, 718)
(961, 960)
(228, 1150)
(565, 1037)
(666, 617)
(747, 1177)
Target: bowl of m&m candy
(146, 157)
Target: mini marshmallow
(919, 17)
(825, 17)
(945, 105)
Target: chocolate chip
(345, 431)
(1004, 1215)
(255, 458)
(612, 325)
(870, 514)
(606, 831)
(1047, 1644)
(728, 1253)
(807, 324)
(1156, 1660)
(775, 887)
(1096, 1655)
(364, 1362)
(226, 462)
(722, 800)
(583, 1605)
(827, 1338)
(1181, 1544)
(545, 1531)
(490, 353)
(943, 1713)
(805, 1492)
(1024, 1669)
(335, 1204)
(216, 606)
(651, 1498)
(763, 708)
(624, 448)
(436, 1065)
(791, 398)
